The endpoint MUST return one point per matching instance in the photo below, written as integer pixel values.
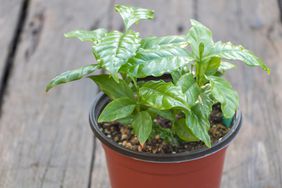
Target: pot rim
(101, 100)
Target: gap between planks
(13, 50)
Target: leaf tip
(268, 71)
(208, 144)
(100, 119)
(48, 87)
(117, 7)
(68, 35)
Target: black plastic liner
(101, 101)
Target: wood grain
(9, 14)
(45, 139)
(254, 160)
(167, 22)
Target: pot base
(126, 172)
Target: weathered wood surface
(255, 159)
(10, 11)
(179, 14)
(45, 140)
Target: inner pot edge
(101, 100)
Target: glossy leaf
(207, 67)
(163, 95)
(212, 66)
(126, 121)
(152, 62)
(176, 74)
(223, 92)
(183, 131)
(84, 35)
(131, 15)
(199, 127)
(117, 109)
(163, 113)
(203, 106)
(142, 126)
(186, 81)
(225, 66)
(233, 52)
(115, 49)
(72, 75)
(165, 41)
(111, 88)
(189, 87)
(199, 36)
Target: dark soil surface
(124, 136)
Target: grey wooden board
(45, 139)
(9, 12)
(170, 16)
(254, 160)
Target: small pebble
(157, 137)
(123, 136)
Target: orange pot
(130, 169)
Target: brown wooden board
(45, 139)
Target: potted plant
(166, 114)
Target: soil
(124, 136)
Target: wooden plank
(45, 140)
(171, 18)
(9, 13)
(254, 160)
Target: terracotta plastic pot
(130, 169)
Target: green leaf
(225, 66)
(163, 113)
(156, 67)
(131, 15)
(199, 127)
(197, 35)
(111, 88)
(233, 52)
(176, 74)
(203, 107)
(186, 81)
(207, 67)
(223, 92)
(189, 87)
(163, 95)
(84, 35)
(142, 126)
(117, 109)
(152, 62)
(72, 75)
(165, 41)
(127, 120)
(183, 131)
(115, 49)
(213, 66)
